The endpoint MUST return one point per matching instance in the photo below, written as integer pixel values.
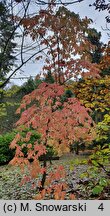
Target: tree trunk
(44, 175)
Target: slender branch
(52, 52)
(22, 45)
(102, 166)
(24, 62)
(41, 2)
(23, 35)
(27, 77)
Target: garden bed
(10, 178)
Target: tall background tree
(7, 47)
(95, 38)
(7, 53)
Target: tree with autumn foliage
(65, 35)
(57, 35)
(37, 25)
(60, 123)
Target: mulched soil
(10, 178)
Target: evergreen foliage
(7, 45)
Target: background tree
(29, 86)
(49, 78)
(103, 132)
(10, 101)
(105, 61)
(94, 92)
(95, 38)
(7, 51)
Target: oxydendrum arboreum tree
(65, 35)
(35, 23)
(61, 122)
(28, 12)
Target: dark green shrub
(6, 154)
(50, 155)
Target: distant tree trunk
(77, 149)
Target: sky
(83, 9)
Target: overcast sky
(83, 9)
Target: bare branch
(24, 62)
(41, 2)
(17, 78)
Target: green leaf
(103, 182)
(97, 190)
(71, 167)
(84, 175)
